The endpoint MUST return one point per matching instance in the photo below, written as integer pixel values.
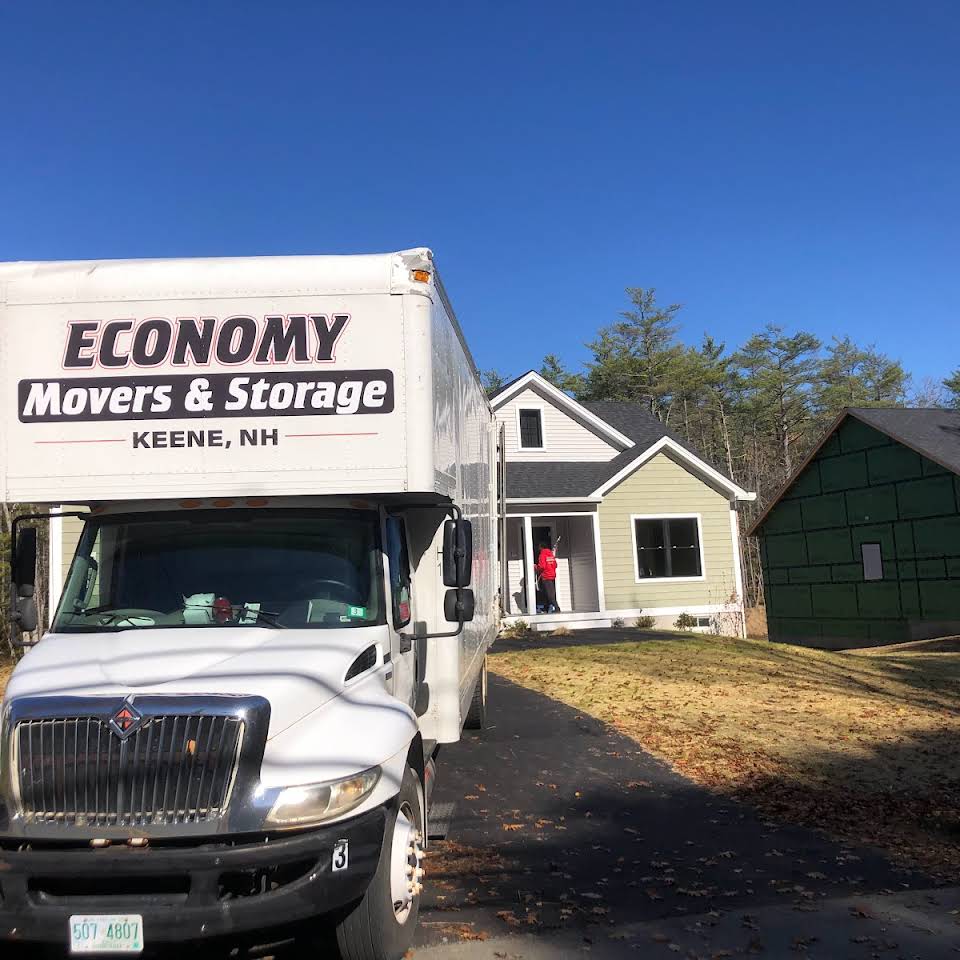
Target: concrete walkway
(568, 839)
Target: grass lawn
(865, 745)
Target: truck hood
(296, 670)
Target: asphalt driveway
(567, 837)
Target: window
(667, 548)
(872, 561)
(399, 561)
(531, 429)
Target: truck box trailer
(279, 606)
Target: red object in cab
(222, 610)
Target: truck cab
(230, 727)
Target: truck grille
(172, 770)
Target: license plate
(106, 933)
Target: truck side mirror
(457, 553)
(458, 606)
(25, 613)
(25, 560)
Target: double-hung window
(667, 548)
(531, 428)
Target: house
(646, 527)
(862, 545)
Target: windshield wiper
(265, 615)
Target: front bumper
(191, 892)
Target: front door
(543, 534)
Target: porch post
(531, 589)
(601, 599)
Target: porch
(579, 569)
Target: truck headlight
(316, 802)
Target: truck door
(403, 648)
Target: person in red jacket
(546, 567)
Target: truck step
(441, 820)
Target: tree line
(754, 411)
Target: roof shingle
(536, 479)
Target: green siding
(863, 487)
(819, 512)
(844, 473)
(663, 486)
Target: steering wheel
(114, 617)
(346, 588)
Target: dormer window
(531, 428)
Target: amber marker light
(421, 276)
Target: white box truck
(279, 607)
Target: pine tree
(492, 380)
(851, 376)
(636, 358)
(952, 385)
(553, 370)
(775, 372)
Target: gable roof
(590, 480)
(932, 432)
(565, 402)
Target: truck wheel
(382, 924)
(477, 714)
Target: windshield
(277, 568)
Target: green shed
(862, 545)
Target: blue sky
(755, 161)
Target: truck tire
(477, 714)
(381, 926)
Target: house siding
(565, 439)
(863, 487)
(72, 527)
(663, 485)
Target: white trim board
(692, 460)
(598, 550)
(737, 561)
(554, 499)
(701, 610)
(560, 399)
(553, 513)
(667, 516)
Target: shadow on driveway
(564, 827)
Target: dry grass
(757, 623)
(6, 668)
(865, 746)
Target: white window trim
(539, 407)
(667, 516)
